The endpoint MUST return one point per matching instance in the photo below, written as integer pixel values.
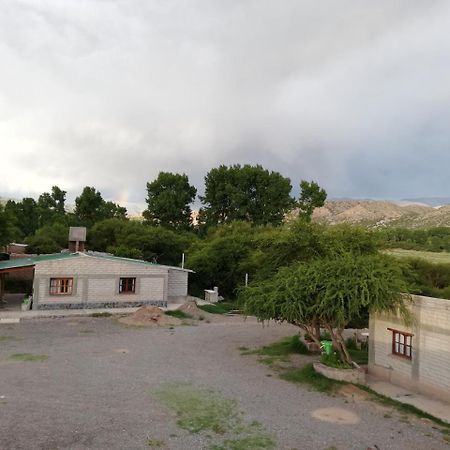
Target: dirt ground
(90, 382)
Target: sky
(107, 93)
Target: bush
(333, 361)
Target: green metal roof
(30, 262)
(131, 260)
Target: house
(75, 280)
(416, 357)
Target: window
(127, 286)
(401, 343)
(61, 286)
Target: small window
(127, 286)
(61, 286)
(401, 343)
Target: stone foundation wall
(101, 305)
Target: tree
(169, 199)
(7, 230)
(25, 214)
(90, 207)
(329, 292)
(311, 197)
(246, 193)
(48, 239)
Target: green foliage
(28, 357)
(133, 239)
(178, 314)
(169, 199)
(218, 308)
(245, 193)
(48, 239)
(90, 207)
(329, 292)
(307, 375)
(7, 229)
(334, 361)
(311, 196)
(204, 411)
(281, 349)
(426, 278)
(431, 239)
(198, 410)
(25, 213)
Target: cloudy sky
(352, 94)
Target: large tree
(90, 207)
(312, 196)
(169, 199)
(329, 292)
(7, 230)
(26, 215)
(248, 193)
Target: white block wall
(178, 283)
(97, 280)
(428, 370)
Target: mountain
(374, 213)
(430, 201)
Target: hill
(374, 213)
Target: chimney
(77, 238)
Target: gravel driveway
(95, 390)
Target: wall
(428, 371)
(96, 283)
(178, 283)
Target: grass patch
(280, 350)
(178, 314)
(155, 443)
(333, 361)
(218, 308)
(28, 357)
(433, 257)
(7, 338)
(307, 375)
(361, 356)
(198, 410)
(404, 407)
(101, 314)
(206, 412)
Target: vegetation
(311, 197)
(169, 199)
(245, 193)
(218, 308)
(178, 314)
(204, 411)
(28, 357)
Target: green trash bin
(327, 347)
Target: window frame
(61, 286)
(401, 342)
(129, 289)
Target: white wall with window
(416, 357)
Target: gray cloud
(107, 93)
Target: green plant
(218, 308)
(333, 361)
(101, 314)
(308, 375)
(28, 357)
(178, 314)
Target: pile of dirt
(191, 308)
(150, 316)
